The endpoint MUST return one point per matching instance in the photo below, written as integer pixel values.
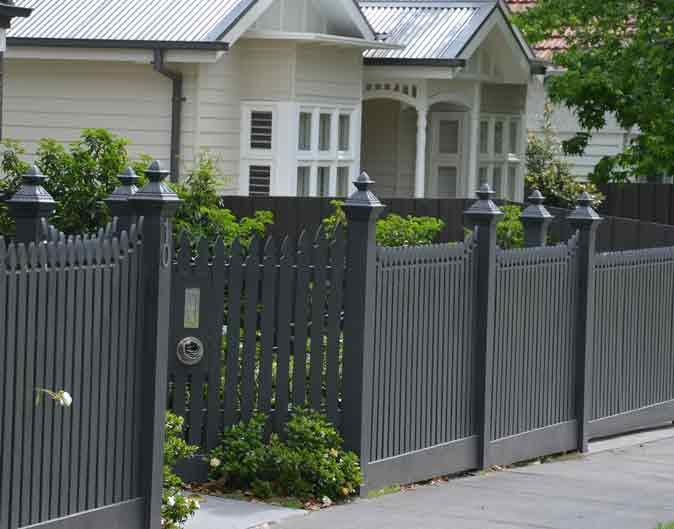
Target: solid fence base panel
(126, 515)
(655, 415)
(537, 443)
(439, 460)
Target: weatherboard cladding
(429, 30)
(147, 20)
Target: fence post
(535, 220)
(362, 210)
(29, 205)
(586, 220)
(157, 203)
(118, 201)
(484, 215)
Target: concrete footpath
(619, 487)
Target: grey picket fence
(69, 320)
(86, 315)
(265, 322)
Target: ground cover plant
(308, 463)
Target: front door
(446, 163)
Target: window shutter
(261, 127)
(260, 177)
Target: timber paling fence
(430, 360)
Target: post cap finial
(155, 172)
(485, 192)
(363, 182)
(363, 197)
(31, 190)
(536, 198)
(128, 177)
(584, 213)
(483, 209)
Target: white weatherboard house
(294, 96)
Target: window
(260, 177)
(449, 137)
(303, 175)
(496, 177)
(512, 182)
(484, 175)
(514, 136)
(344, 132)
(484, 137)
(498, 137)
(304, 142)
(447, 182)
(323, 188)
(325, 123)
(343, 182)
(261, 124)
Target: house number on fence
(192, 300)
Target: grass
(391, 489)
(665, 526)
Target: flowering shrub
(177, 507)
(310, 464)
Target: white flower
(65, 400)
(170, 501)
(195, 503)
(215, 462)
(326, 501)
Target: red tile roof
(546, 49)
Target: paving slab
(627, 487)
(223, 513)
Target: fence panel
(254, 330)
(423, 416)
(63, 326)
(533, 405)
(633, 364)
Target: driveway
(620, 488)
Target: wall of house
(380, 142)
(328, 74)
(57, 99)
(608, 141)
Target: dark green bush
(310, 464)
(392, 230)
(201, 215)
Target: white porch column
(420, 172)
(474, 144)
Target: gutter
(177, 100)
(120, 44)
(392, 61)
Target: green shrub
(310, 464)
(550, 174)
(201, 215)
(392, 230)
(509, 230)
(79, 177)
(177, 507)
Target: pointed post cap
(363, 197)
(536, 209)
(483, 209)
(584, 214)
(363, 204)
(128, 187)
(156, 191)
(31, 191)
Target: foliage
(620, 61)
(509, 230)
(12, 168)
(310, 464)
(392, 230)
(551, 175)
(79, 177)
(177, 508)
(201, 216)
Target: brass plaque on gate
(192, 301)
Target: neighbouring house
(609, 141)
(293, 96)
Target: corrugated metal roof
(147, 20)
(429, 30)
